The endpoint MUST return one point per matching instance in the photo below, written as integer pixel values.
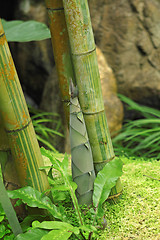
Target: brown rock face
(128, 33)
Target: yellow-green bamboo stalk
(82, 163)
(61, 50)
(18, 126)
(8, 167)
(88, 80)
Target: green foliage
(71, 186)
(5, 229)
(141, 136)
(45, 135)
(25, 31)
(34, 198)
(103, 184)
(35, 234)
(83, 224)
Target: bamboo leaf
(57, 235)
(34, 198)
(25, 31)
(105, 181)
(46, 143)
(33, 234)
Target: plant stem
(7, 206)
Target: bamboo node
(19, 129)
(84, 53)
(55, 9)
(2, 38)
(105, 161)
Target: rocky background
(127, 34)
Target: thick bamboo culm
(78, 135)
(9, 172)
(17, 123)
(88, 80)
(84, 57)
(60, 44)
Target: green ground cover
(137, 215)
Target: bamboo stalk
(8, 167)
(82, 162)
(61, 50)
(18, 126)
(88, 80)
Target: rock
(128, 33)
(112, 104)
(34, 60)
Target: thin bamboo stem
(18, 126)
(6, 203)
(61, 49)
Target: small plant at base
(61, 226)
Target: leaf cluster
(5, 229)
(60, 225)
(45, 134)
(139, 137)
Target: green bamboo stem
(82, 162)
(17, 123)
(88, 80)
(6, 203)
(7, 164)
(61, 50)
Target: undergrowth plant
(63, 226)
(139, 137)
(45, 134)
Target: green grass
(137, 215)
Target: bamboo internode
(17, 123)
(60, 44)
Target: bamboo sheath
(83, 172)
(21, 136)
(88, 81)
(82, 163)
